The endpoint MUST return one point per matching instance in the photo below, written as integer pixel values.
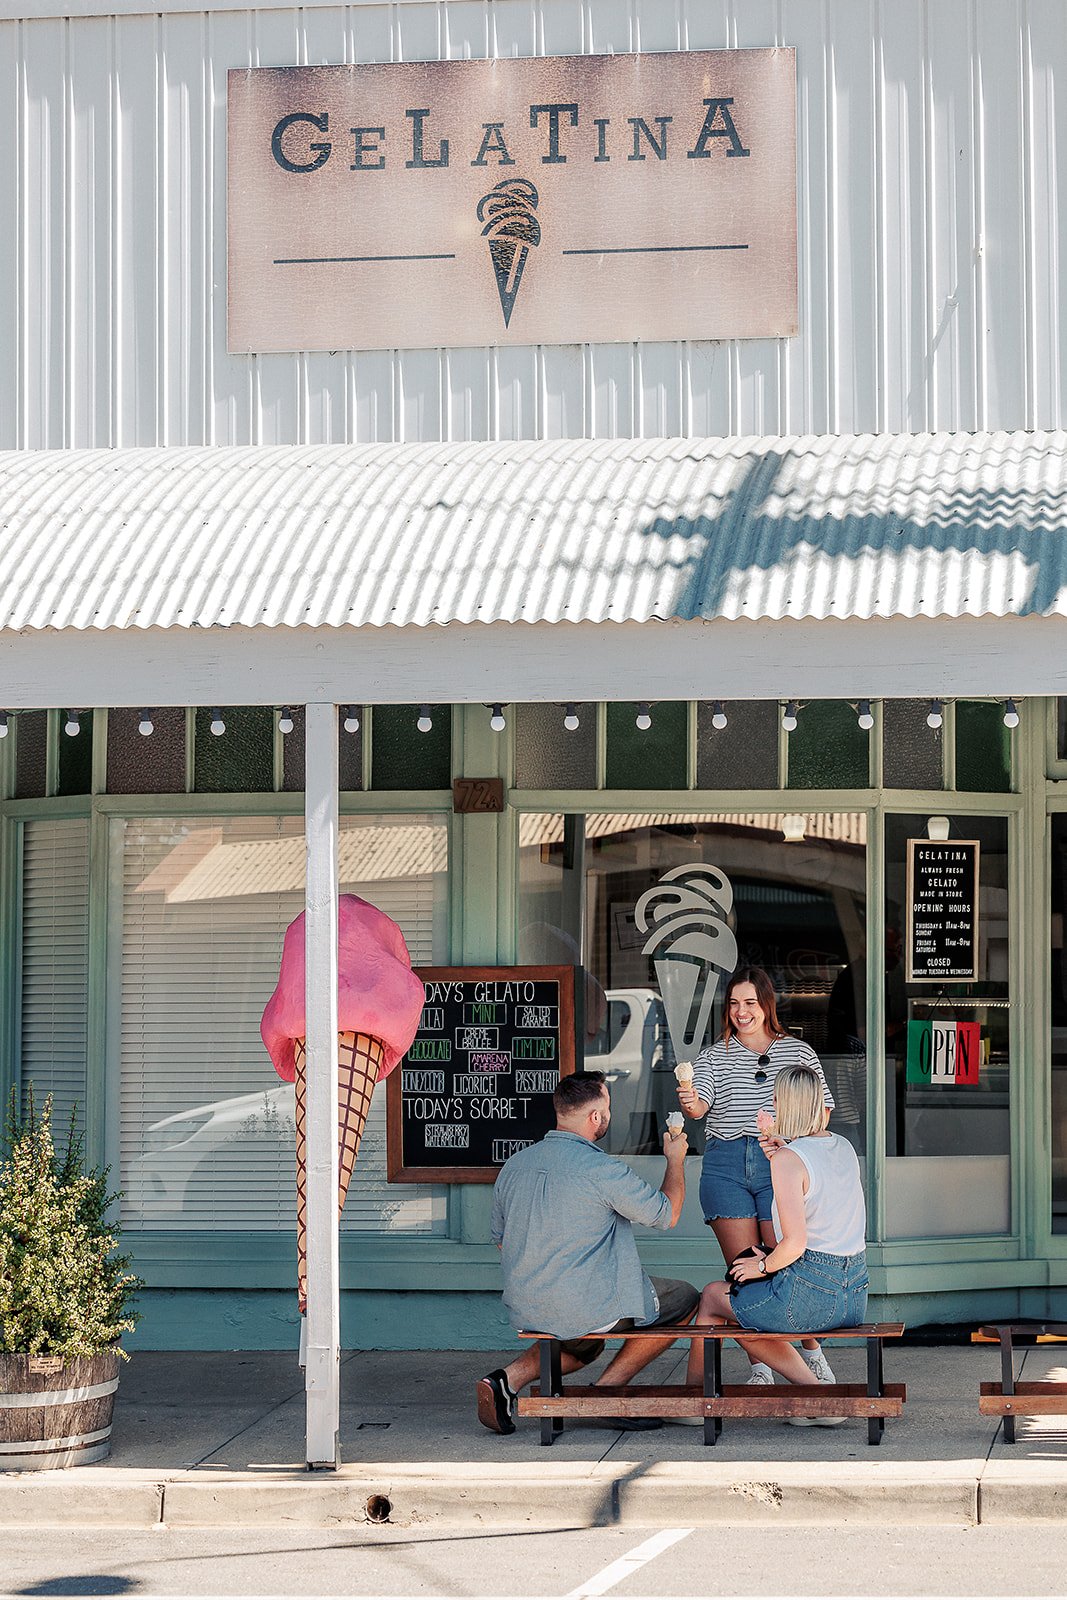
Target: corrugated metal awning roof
(936, 525)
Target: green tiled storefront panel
(983, 747)
(652, 758)
(828, 749)
(239, 761)
(404, 758)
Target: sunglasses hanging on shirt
(762, 1062)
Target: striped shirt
(724, 1077)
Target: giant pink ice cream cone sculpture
(379, 1002)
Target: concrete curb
(622, 1493)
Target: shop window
(75, 768)
(146, 764)
(402, 756)
(828, 749)
(549, 755)
(31, 754)
(947, 1139)
(239, 760)
(206, 1128)
(1061, 728)
(744, 754)
(55, 967)
(983, 747)
(797, 907)
(349, 751)
(912, 751)
(653, 757)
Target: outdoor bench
(1044, 1397)
(715, 1400)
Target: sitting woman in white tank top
(816, 1276)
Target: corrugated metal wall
(932, 171)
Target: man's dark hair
(577, 1091)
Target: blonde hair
(799, 1109)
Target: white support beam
(322, 1374)
(476, 663)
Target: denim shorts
(817, 1291)
(735, 1180)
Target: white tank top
(834, 1211)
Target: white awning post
(322, 1373)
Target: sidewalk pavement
(206, 1439)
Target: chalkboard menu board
(942, 936)
(477, 1083)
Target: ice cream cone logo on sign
(691, 944)
(511, 230)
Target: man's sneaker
(819, 1365)
(817, 1374)
(761, 1374)
(496, 1403)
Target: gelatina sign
(546, 200)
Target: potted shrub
(65, 1300)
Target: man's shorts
(677, 1303)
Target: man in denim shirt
(562, 1217)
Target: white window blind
(55, 967)
(206, 1126)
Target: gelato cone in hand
(764, 1121)
(379, 1002)
(684, 1073)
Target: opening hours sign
(942, 911)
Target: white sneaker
(819, 1366)
(761, 1376)
(816, 1360)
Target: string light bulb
(425, 722)
(145, 725)
(218, 727)
(719, 719)
(937, 827)
(285, 721)
(935, 717)
(3, 724)
(866, 716)
(789, 717)
(571, 720)
(794, 827)
(351, 723)
(73, 725)
(497, 721)
(644, 716)
(1011, 714)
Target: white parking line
(618, 1570)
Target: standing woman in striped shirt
(733, 1081)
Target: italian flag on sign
(943, 1052)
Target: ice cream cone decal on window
(691, 944)
(511, 230)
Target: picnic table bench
(715, 1400)
(1041, 1397)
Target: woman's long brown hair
(764, 994)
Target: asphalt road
(756, 1559)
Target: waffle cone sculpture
(359, 1061)
(379, 1002)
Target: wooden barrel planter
(54, 1412)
